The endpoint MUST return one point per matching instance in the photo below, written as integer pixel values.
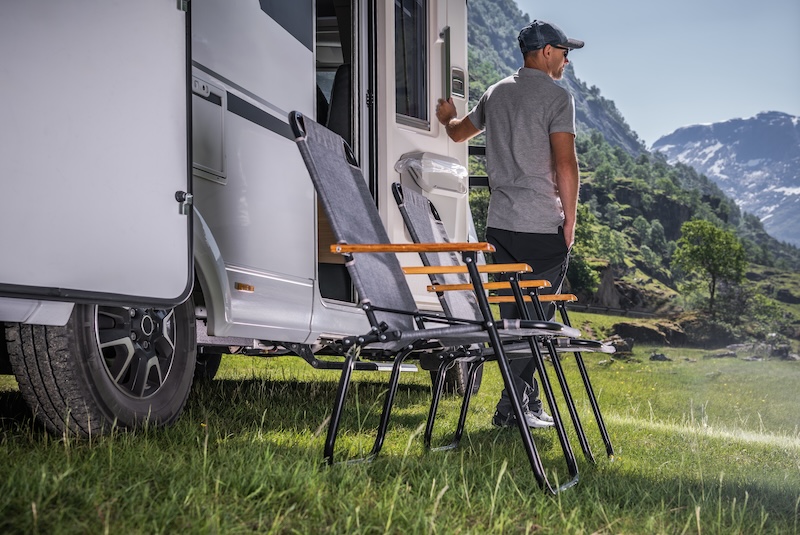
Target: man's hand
(445, 111)
(457, 129)
(569, 233)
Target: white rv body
(101, 205)
(81, 160)
(259, 208)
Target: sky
(668, 64)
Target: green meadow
(703, 445)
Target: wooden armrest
(569, 298)
(542, 298)
(343, 248)
(483, 268)
(489, 286)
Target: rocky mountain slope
(494, 26)
(756, 161)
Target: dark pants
(548, 255)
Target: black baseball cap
(539, 33)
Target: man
(533, 175)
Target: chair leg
(394, 382)
(566, 448)
(558, 422)
(525, 433)
(338, 405)
(562, 381)
(462, 418)
(438, 387)
(505, 372)
(437, 396)
(587, 451)
(595, 406)
(589, 390)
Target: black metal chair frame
(335, 175)
(516, 286)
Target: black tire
(207, 366)
(456, 377)
(108, 366)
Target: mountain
(633, 201)
(756, 161)
(494, 52)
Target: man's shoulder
(511, 79)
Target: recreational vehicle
(155, 211)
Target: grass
(703, 446)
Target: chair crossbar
(549, 298)
(342, 248)
(483, 268)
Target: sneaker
(543, 416)
(501, 420)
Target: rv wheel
(108, 366)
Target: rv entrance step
(359, 365)
(307, 354)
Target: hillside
(633, 202)
(494, 54)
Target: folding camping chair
(424, 225)
(397, 327)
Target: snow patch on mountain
(756, 161)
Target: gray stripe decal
(242, 90)
(296, 17)
(212, 98)
(244, 109)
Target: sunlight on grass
(791, 443)
(703, 446)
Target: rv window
(411, 61)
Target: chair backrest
(425, 226)
(343, 193)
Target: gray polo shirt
(519, 113)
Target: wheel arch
(211, 276)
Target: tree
(642, 228)
(612, 246)
(712, 253)
(658, 240)
(604, 175)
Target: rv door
(95, 198)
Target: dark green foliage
(743, 306)
(582, 277)
(479, 206)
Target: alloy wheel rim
(138, 347)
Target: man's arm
(457, 129)
(562, 145)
